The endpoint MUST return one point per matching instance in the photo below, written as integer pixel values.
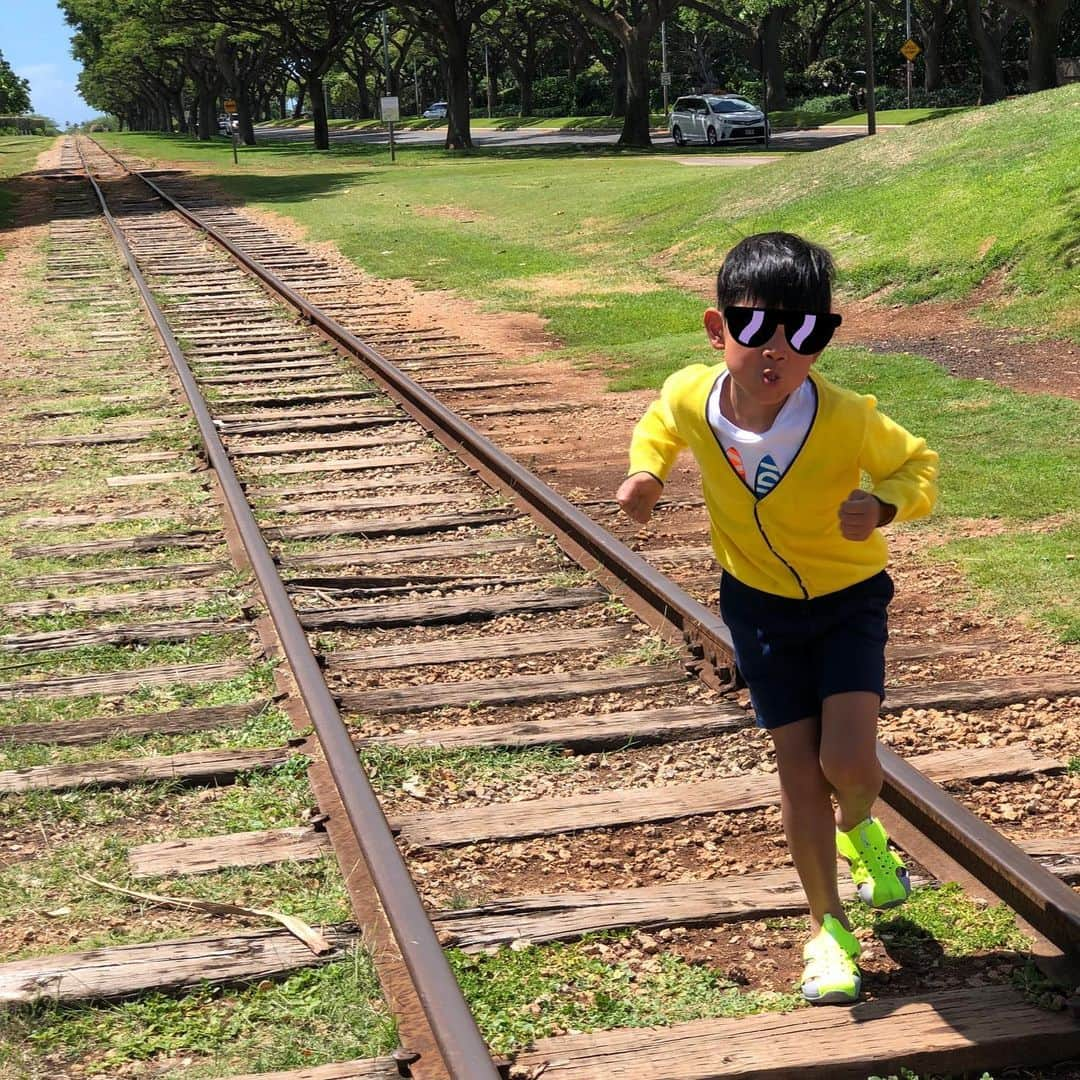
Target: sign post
(909, 50)
(230, 111)
(390, 111)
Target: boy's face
(767, 373)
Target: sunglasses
(807, 332)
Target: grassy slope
(595, 242)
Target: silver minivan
(716, 118)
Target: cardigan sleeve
(902, 468)
(656, 442)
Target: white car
(716, 118)
(435, 111)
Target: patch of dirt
(951, 337)
(452, 213)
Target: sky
(36, 42)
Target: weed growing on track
(388, 767)
(331, 1013)
(519, 995)
(941, 920)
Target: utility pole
(871, 119)
(487, 78)
(665, 76)
(386, 53)
(907, 37)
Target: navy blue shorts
(795, 653)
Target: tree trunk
(1045, 21)
(301, 92)
(987, 39)
(772, 27)
(933, 30)
(636, 125)
(618, 83)
(458, 126)
(207, 114)
(318, 112)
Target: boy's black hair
(777, 270)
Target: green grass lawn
(603, 244)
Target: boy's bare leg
(848, 754)
(806, 803)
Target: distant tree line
(169, 64)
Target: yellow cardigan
(788, 542)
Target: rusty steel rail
(460, 1042)
(1046, 902)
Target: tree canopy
(171, 64)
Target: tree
(1044, 17)
(447, 27)
(988, 22)
(633, 24)
(14, 91)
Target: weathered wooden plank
(449, 608)
(385, 502)
(102, 603)
(582, 732)
(981, 693)
(461, 649)
(146, 542)
(61, 521)
(339, 464)
(165, 965)
(133, 634)
(294, 398)
(393, 526)
(148, 479)
(313, 488)
(196, 766)
(324, 424)
(515, 690)
(564, 916)
(122, 575)
(121, 682)
(545, 817)
(390, 554)
(316, 446)
(948, 1032)
(99, 728)
(206, 854)
(119, 437)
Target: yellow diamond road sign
(910, 49)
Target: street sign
(665, 78)
(389, 108)
(230, 106)
(910, 49)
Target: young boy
(804, 590)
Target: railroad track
(416, 589)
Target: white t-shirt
(761, 458)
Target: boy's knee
(853, 776)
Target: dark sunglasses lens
(750, 326)
(809, 333)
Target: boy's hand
(637, 495)
(861, 513)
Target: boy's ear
(714, 328)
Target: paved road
(524, 137)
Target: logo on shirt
(735, 458)
(768, 476)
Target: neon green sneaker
(880, 877)
(831, 976)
